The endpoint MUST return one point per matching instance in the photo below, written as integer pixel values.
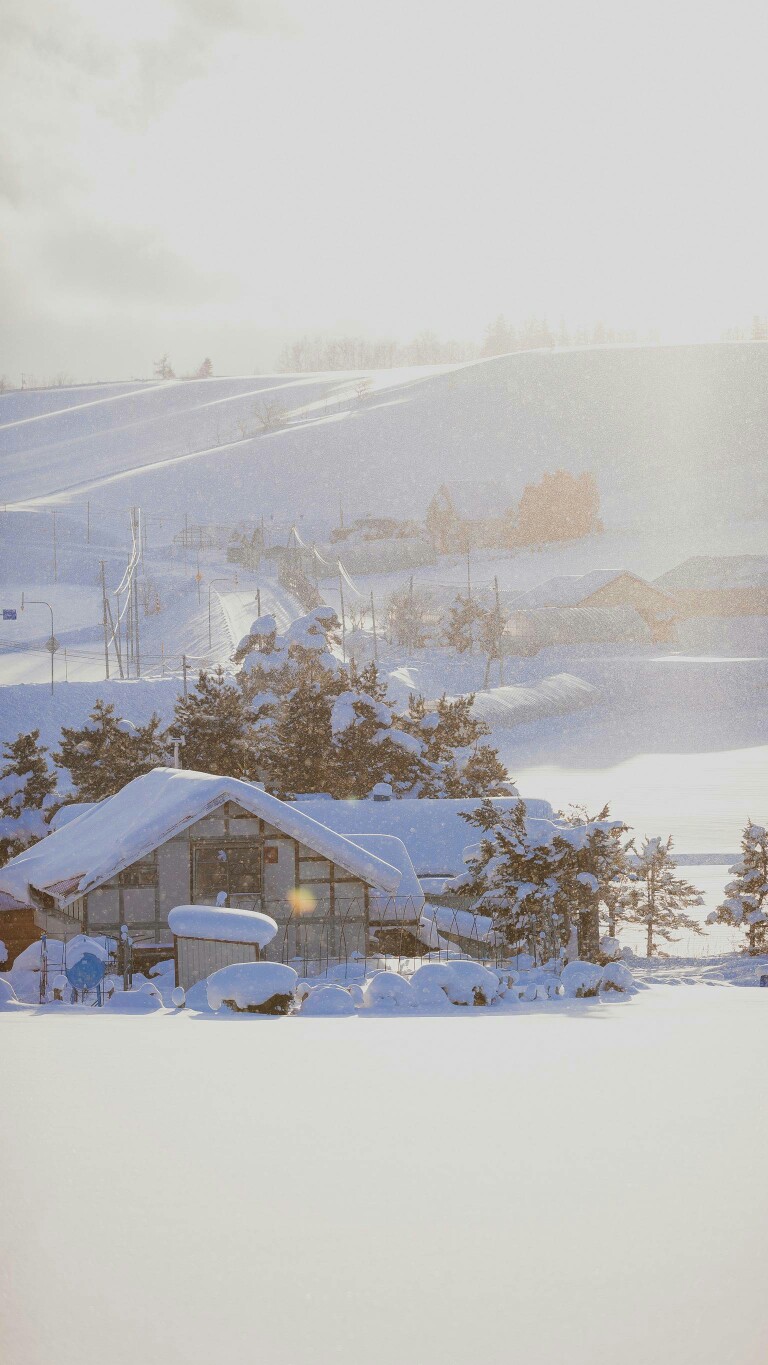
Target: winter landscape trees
(657, 898)
(27, 789)
(746, 903)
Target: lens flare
(301, 900)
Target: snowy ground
(574, 1181)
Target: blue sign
(86, 973)
(9, 613)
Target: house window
(139, 875)
(232, 868)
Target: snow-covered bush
(388, 990)
(253, 987)
(581, 978)
(178, 997)
(430, 984)
(328, 1000)
(462, 982)
(139, 1001)
(616, 976)
(60, 986)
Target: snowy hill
(675, 436)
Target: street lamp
(210, 585)
(52, 645)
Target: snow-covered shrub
(388, 990)
(60, 986)
(616, 976)
(328, 1000)
(178, 997)
(581, 978)
(134, 1002)
(472, 984)
(430, 983)
(253, 987)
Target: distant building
(528, 632)
(466, 515)
(607, 588)
(718, 585)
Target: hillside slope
(676, 437)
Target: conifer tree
(26, 790)
(108, 752)
(657, 898)
(593, 867)
(295, 746)
(513, 878)
(216, 725)
(457, 763)
(746, 903)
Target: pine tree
(746, 903)
(164, 368)
(295, 746)
(457, 763)
(216, 725)
(108, 752)
(593, 868)
(513, 878)
(206, 369)
(26, 790)
(657, 898)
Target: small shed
(527, 632)
(206, 937)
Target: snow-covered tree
(457, 762)
(105, 754)
(512, 876)
(657, 898)
(216, 725)
(206, 369)
(746, 902)
(164, 368)
(593, 871)
(27, 788)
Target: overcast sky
(214, 176)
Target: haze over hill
(675, 436)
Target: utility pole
(136, 625)
(55, 558)
(184, 671)
(104, 614)
(88, 523)
(186, 534)
(375, 643)
(52, 646)
(258, 601)
(343, 618)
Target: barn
(718, 585)
(607, 588)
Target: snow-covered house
(432, 829)
(175, 837)
(606, 588)
(718, 585)
(527, 632)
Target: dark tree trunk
(589, 934)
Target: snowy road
(577, 1182)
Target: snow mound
(462, 982)
(8, 997)
(138, 1001)
(616, 976)
(328, 1000)
(222, 925)
(178, 997)
(388, 990)
(261, 987)
(610, 948)
(581, 978)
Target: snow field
(331, 1194)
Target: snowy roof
(394, 851)
(72, 811)
(8, 902)
(431, 828)
(713, 572)
(219, 924)
(152, 809)
(571, 590)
